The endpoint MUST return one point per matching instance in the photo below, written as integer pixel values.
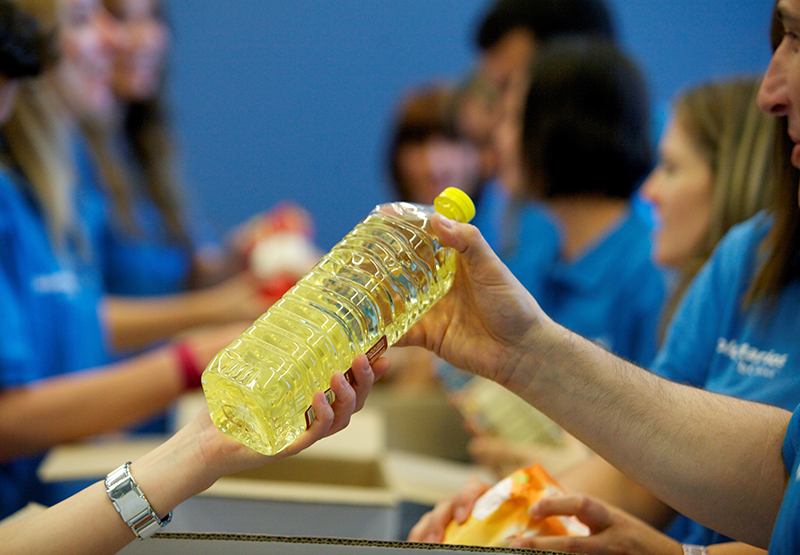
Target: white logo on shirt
(749, 360)
(62, 282)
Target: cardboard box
(421, 421)
(214, 544)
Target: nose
(772, 95)
(649, 189)
(111, 33)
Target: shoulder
(743, 238)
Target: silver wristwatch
(131, 504)
(694, 549)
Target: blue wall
(280, 99)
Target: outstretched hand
(483, 324)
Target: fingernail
(533, 510)
(447, 223)
(459, 515)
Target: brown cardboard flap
(243, 544)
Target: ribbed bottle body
(360, 298)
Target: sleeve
(791, 441)
(695, 329)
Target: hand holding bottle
(488, 321)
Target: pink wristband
(187, 362)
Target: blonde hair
(737, 140)
(37, 135)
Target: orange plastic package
(501, 512)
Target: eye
(792, 37)
(667, 166)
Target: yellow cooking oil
(360, 298)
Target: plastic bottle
(360, 298)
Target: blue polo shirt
(611, 294)
(786, 534)
(716, 343)
(148, 261)
(49, 310)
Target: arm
(689, 447)
(137, 322)
(188, 463)
(613, 532)
(65, 408)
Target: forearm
(78, 405)
(136, 323)
(687, 446)
(88, 522)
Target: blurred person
(512, 31)
(162, 266)
(572, 161)
(714, 172)
(426, 152)
(508, 36)
(56, 380)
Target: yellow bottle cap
(455, 204)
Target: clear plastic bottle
(360, 298)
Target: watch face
(131, 504)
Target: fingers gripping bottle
(360, 298)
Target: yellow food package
(502, 512)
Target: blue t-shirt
(49, 309)
(786, 534)
(611, 294)
(149, 261)
(717, 344)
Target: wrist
(174, 471)
(535, 364)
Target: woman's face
(87, 40)
(681, 189)
(780, 91)
(140, 58)
(435, 164)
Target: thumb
(464, 238)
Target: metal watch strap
(131, 504)
(694, 549)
